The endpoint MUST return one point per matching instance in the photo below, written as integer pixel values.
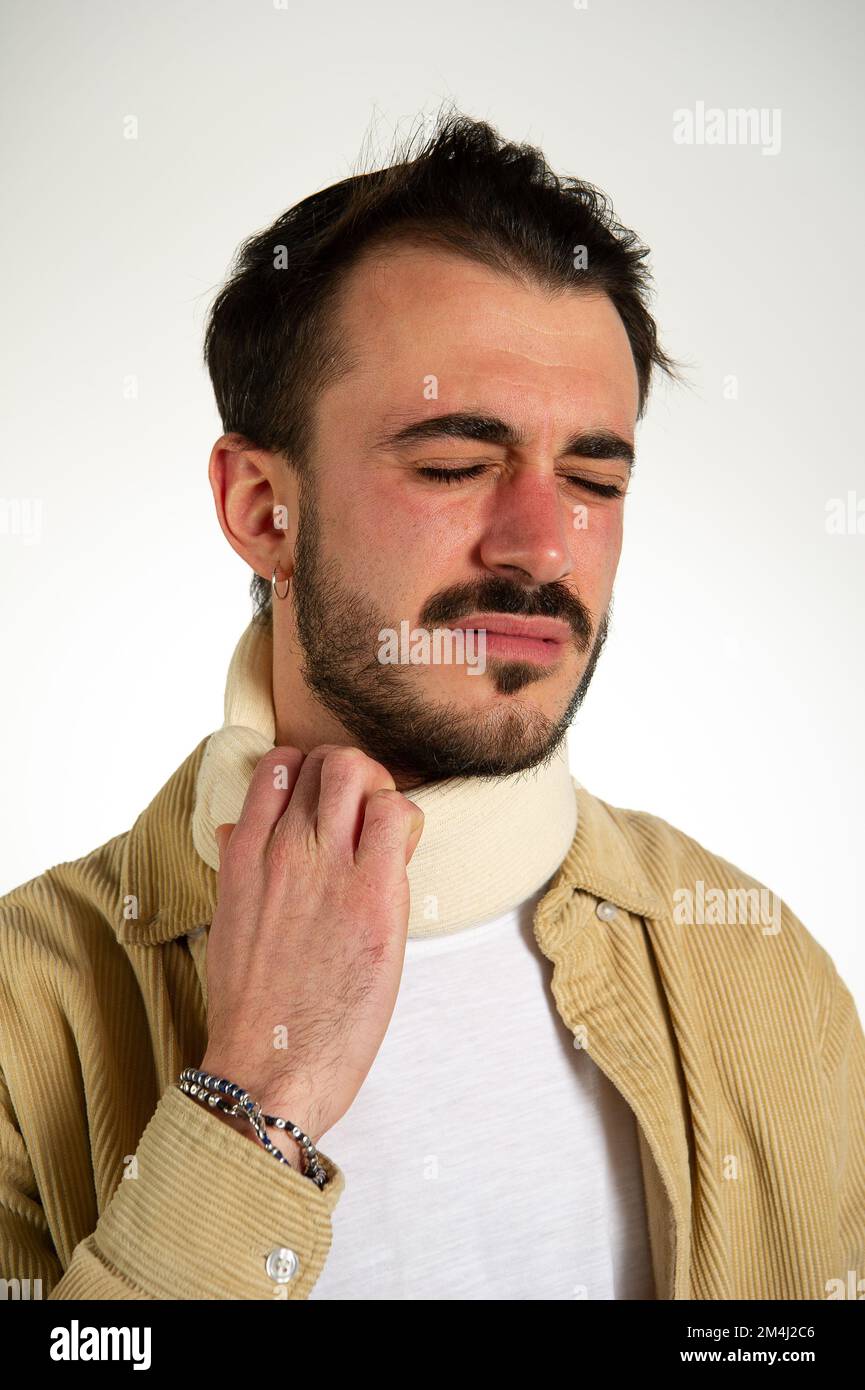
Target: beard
(382, 707)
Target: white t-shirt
(485, 1157)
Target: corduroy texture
(739, 1050)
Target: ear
(255, 492)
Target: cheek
(596, 552)
(397, 549)
(367, 530)
(426, 538)
(609, 537)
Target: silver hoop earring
(274, 581)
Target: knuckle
(280, 754)
(382, 773)
(342, 762)
(323, 750)
(276, 762)
(384, 832)
(411, 810)
(400, 808)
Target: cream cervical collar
(487, 844)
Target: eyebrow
(489, 429)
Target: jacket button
(282, 1264)
(606, 911)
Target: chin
(503, 680)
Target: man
(552, 1049)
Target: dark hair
(271, 342)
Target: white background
(729, 699)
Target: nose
(530, 534)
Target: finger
(301, 812)
(414, 836)
(390, 821)
(223, 835)
(348, 779)
(270, 789)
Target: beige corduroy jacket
(737, 1046)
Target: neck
(488, 843)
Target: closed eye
(457, 475)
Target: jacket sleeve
(844, 1063)
(196, 1218)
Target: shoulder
(68, 904)
(703, 901)
(104, 891)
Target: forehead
(411, 312)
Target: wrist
(289, 1105)
(283, 1142)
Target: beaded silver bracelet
(206, 1089)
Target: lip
(516, 638)
(512, 625)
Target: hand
(307, 943)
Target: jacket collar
(603, 859)
(167, 890)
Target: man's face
(541, 400)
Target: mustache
(496, 595)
